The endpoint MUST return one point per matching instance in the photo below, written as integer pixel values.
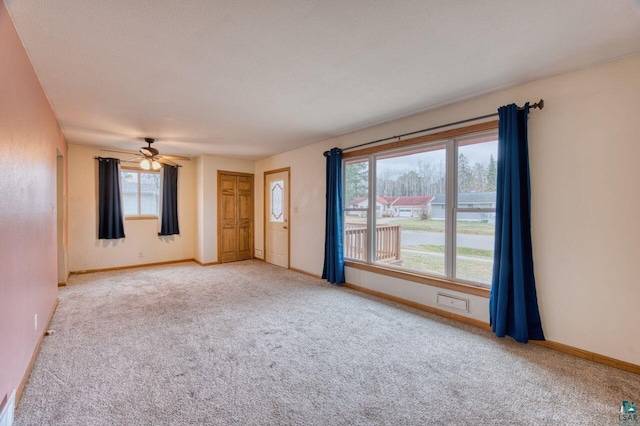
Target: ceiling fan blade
(133, 160)
(167, 162)
(173, 157)
(119, 150)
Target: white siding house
(471, 200)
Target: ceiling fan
(149, 157)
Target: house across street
(417, 206)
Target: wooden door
(235, 216)
(277, 217)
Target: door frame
(219, 208)
(61, 210)
(265, 209)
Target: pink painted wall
(29, 136)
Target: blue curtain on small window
(169, 207)
(333, 270)
(513, 303)
(110, 221)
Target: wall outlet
(140, 254)
(35, 322)
(295, 209)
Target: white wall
(307, 193)
(197, 209)
(199, 252)
(87, 252)
(208, 166)
(584, 156)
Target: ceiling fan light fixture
(155, 165)
(145, 164)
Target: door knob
(284, 227)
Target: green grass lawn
(462, 251)
(423, 262)
(430, 258)
(466, 269)
(412, 224)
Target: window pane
(409, 229)
(356, 184)
(149, 193)
(356, 190)
(474, 246)
(276, 212)
(355, 235)
(130, 192)
(477, 173)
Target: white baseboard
(8, 412)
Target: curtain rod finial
(328, 153)
(539, 104)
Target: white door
(277, 218)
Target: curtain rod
(125, 161)
(538, 105)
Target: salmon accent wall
(29, 138)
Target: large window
(141, 193)
(434, 208)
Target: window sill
(421, 279)
(141, 218)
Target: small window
(277, 201)
(140, 192)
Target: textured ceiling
(248, 79)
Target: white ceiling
(251, 78)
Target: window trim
(458, 132)
(141, 217)
(139, 171)
(451, 140)
(420, 278)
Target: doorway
(62, 269)
(276, 222)
(235, 216)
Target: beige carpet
(252, 344)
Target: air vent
(453, 302)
